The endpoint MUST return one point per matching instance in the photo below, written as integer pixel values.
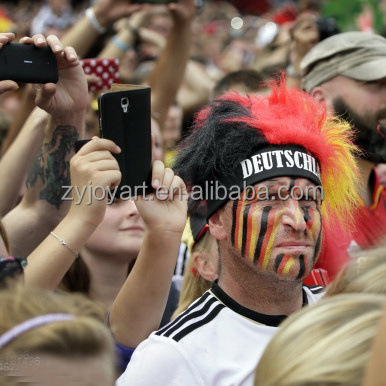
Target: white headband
(29, 324)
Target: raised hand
(70, 94)
(93, 165)
(7, 85)
(166, 209)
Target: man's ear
(216, 225)
(318, 93)
(323, 96)
(204, 265)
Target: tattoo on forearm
(51, 166)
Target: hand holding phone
(27, 63)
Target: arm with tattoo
(41, 207)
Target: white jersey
(216, 341)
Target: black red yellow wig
(232, 127)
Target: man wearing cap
(268, 231)
(347, 72)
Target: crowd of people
(267, 268)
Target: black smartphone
(26, 63)
(125, 118)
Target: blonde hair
(193, 284)
(328, 343)
(365, 273)
(84, 336)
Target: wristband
(65, 244)
(94, 21)
(120, 44)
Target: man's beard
(369, 141)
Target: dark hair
(217, 144)
(77, 278)
(252, 79)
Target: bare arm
(304, 36)
(26, 107)
(41, 207)
(125, 39)
(49, 262)
(167, 75)
(16, 161)
(196, 88)
(139, 305)
(106, 12)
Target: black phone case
(26, 63)
(125, 119)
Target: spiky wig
(233, 126)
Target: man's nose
(293, 215)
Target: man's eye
(249, 193)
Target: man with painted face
(347, 72)
(266, 188)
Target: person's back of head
(364, 274)
(202, 266)
(328, 343)
(66, 330)
(243, 81)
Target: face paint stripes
(278, 260)
(245, 230)
(272, 228)
(288, 266)
(284, 262)
(234, 221)
(318, 243)
(252, 236)
(292, 183)
(267, 253)
(263, 231)
(313, 222)
(237, 223)
(309, 218)
(302, 267)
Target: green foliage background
(346, 12)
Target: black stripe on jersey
(191, 315)
(188, 314)
(316, 289)
(187, 330)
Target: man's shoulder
(183, 351)
(196, 317)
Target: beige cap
(357, 55)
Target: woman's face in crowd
(120, 233)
